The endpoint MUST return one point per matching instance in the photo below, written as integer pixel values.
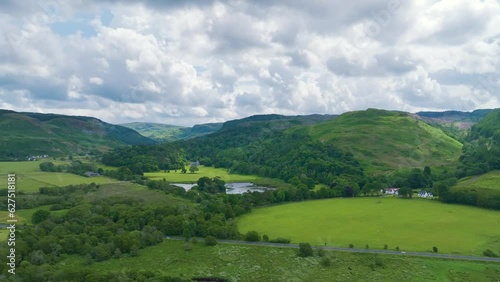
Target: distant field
(255, 263)
(204, 171)
(413, 225)
(30, 178)
(489, 181)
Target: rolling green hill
(26, 134)
(167, 133)
(387, 140)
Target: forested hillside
(482, 151)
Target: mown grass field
(211, 172)
(30, 178)
(413, 225)
(256, 263)
(384, 140)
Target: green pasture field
(257, 263)
(30, 178)
(178, 177)
(411, 224)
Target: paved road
(354, 250)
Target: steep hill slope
(386, 140)
(52, 134)
(167, 133)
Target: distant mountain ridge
(55, 134)
(168, 133)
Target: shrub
(305, 250)
(379, 262)
(194, 240)
(265, 238)
(351, 246)
(210, 241)
(321, 252)
(489, 253)
(435, 249)
(280, 240)
(326, 261)
(252, 236)
(367, 247)
(386, 247)
(188, 246)
(397, 248)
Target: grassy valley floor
(410, 224)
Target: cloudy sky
(198, 61)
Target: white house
(391, 191)
(425, 194)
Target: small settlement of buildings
(395, 191)
(34, 158)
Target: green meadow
(177, 176)
(410, 224)
(257, 263)
(30, 177)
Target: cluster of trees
(479, 156)
(51, 167)
(76, 167)
(140, 159)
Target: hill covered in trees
(26, 134)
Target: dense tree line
(479, 198)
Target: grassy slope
(254, 263)
(413, 225)
(173, 176)
(30, 178)
(488, 182)
(384, 141)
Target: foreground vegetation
(255, 263)
(412, 225)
